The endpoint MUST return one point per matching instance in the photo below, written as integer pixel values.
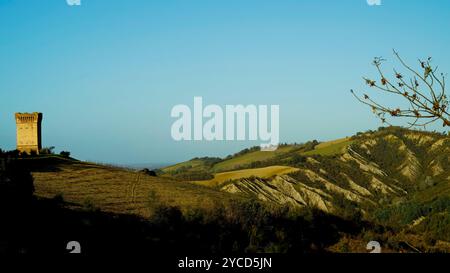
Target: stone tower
(29, 132)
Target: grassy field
(247, 158)
(193, 164)
(119, 190)
(329, 148)
(266, 172)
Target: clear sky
(106, 74)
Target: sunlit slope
(387, 167)
(255, 158)
(119, 190)
(196, 164)
(382, 168)
(247, 158)
(333, 147)
(266, 172)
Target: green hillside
(266, 172)
(196, 164)
(242, 160)
(330, 147)
(253, 157)
(393, 176)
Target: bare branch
(432, 105)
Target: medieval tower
(28, 132)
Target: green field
(193, 165)
(250, 157)
(330, 148)
(266, 172)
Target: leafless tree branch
(423, 90)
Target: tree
(423, 92)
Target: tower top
(28, 117)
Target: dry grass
(119, 190)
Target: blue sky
(107, 73)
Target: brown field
(119, 190)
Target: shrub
(47, 150)
(64, 154)
(148, 172)
(88, 205)
(59, 198)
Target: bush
(88, 205)
(47, 150)
(64, 154)
(148, 172)
(436, 226)
(59, 198)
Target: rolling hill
(388, 165)
(266, 172)
(392, 175)
(118, 190)
(395, 178)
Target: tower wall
(28, 126)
